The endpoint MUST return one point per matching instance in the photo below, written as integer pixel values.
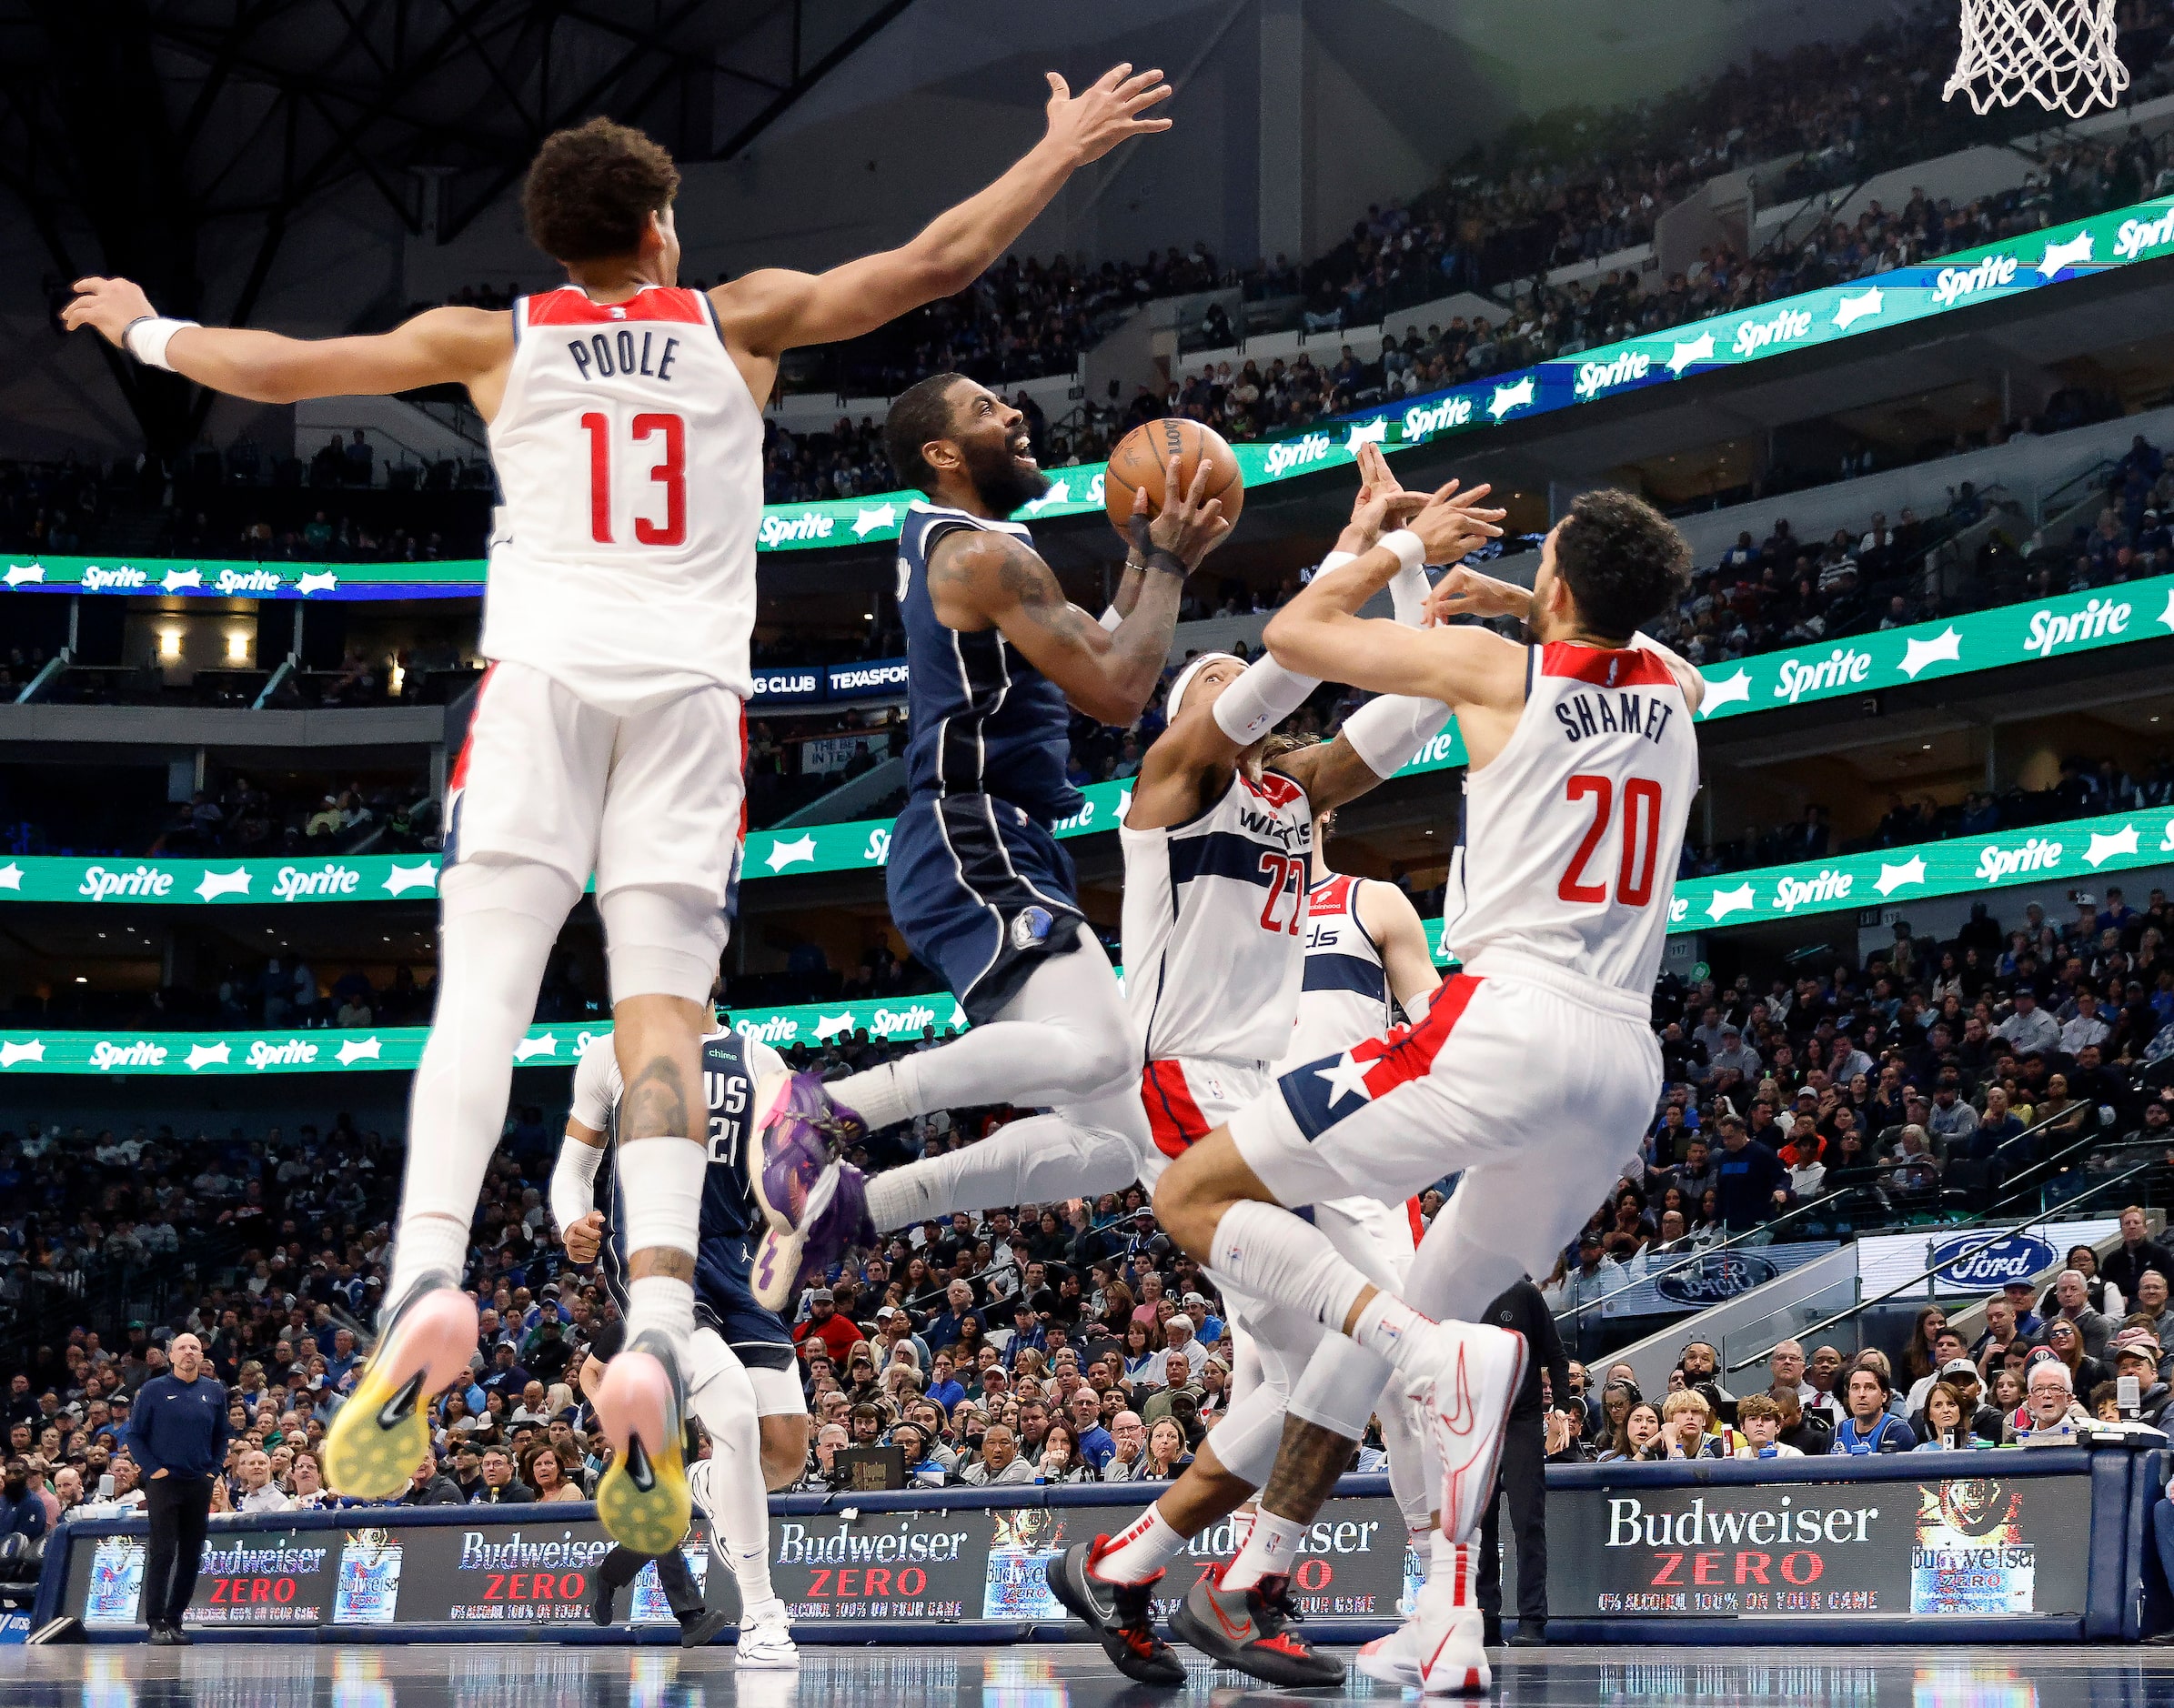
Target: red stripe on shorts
(1172, 1117)
(1408, 1053)
(467, 741)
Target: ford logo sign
(1717, 1276)
(2008, 1258)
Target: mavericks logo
(2038, 855)
(2097, 620)
(1954, 283)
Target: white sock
(1269, 1550)
(1141, 1550)
(1456, 1569)
(498, 921)
(664, 1303)
(1273, 1255)
(1391, 1328)
(750, 1573)
(1083, 1150)
(1419, 1539)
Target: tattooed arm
(979, 581)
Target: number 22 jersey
(1573, 831)
(628, 453)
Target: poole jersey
(628, 453)
(1214, 924)
(1344, 996)
(730, 1219)
(982, 721)
(1573, 831)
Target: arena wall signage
(1999, 638)
(2029, 262)
(1963, 865)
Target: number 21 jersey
(628, 452)
(1573, 831)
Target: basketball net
(2062, 52)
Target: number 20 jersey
(1214, 924)
(628, 452)
(1573, 831)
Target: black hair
(1623, 561)
(590, 191)
(920, 413)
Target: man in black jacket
(178, 1434)
(1523, 1477)
(2136, 1252)
(429, 1487)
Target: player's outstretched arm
(464, 346)
(979, 580)
(773, 310)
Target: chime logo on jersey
(1030, 926)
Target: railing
(1926, 1274)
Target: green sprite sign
(2003, 638)
(2085, 848)
(2029, 262)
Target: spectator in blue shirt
(1870, 1427)
(944, 1388)
(177, 1436)
(22, 1512)
(1753, 1184)
(1096, 1443)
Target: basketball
(1143, 455)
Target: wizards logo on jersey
(1321, 1093)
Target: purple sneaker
(787, 1263)
(794, 1170)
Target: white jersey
(1344, 994)
(1214, 924)
(628, 453)
(1572, 832)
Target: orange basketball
(1143, 456)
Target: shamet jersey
(628, 453)
(1215, 923)
(730, 1218)
(1573, 831)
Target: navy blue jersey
(983, 720)
(732, 1219)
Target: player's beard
(1002, 484)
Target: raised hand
(1188, 528)
(1452, 522)
(1466, 592)
(106, 305)
(1382, 503)
(1087, 125)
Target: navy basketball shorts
(981, 892)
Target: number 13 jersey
(1214, 924)
(628, 452)
(1573, 831)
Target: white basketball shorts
(777, 1391)
(652, 799)
(1526, 1078)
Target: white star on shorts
(1347, 1078)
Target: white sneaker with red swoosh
(1468, 1397)
(1439, 1649)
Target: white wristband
(146, 340)
(1410, 552)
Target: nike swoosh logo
(1236, 1633)
(1461, 1418)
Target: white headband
(1183, 680)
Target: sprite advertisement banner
(2007, 635)
(1964, 280)
(2116, 842)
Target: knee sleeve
(1246, 1439)
(661, 941)
(1341, 1386)
(719, 1393)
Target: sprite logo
(294, 884)
(248, 581)
(771, 1029)
(1785, 327)
(781, 530)
(1594, 378)
(102, 885)
(2137, 236)
(1841, 668)
(886, 1021)
(1313, 448)
(295, 1053)
(1435, 417)
(1952, 284)
(2097, 620)
(1827, 885)
(878, 848)
(96, 580)
(142, 1053)
(2038, 855)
